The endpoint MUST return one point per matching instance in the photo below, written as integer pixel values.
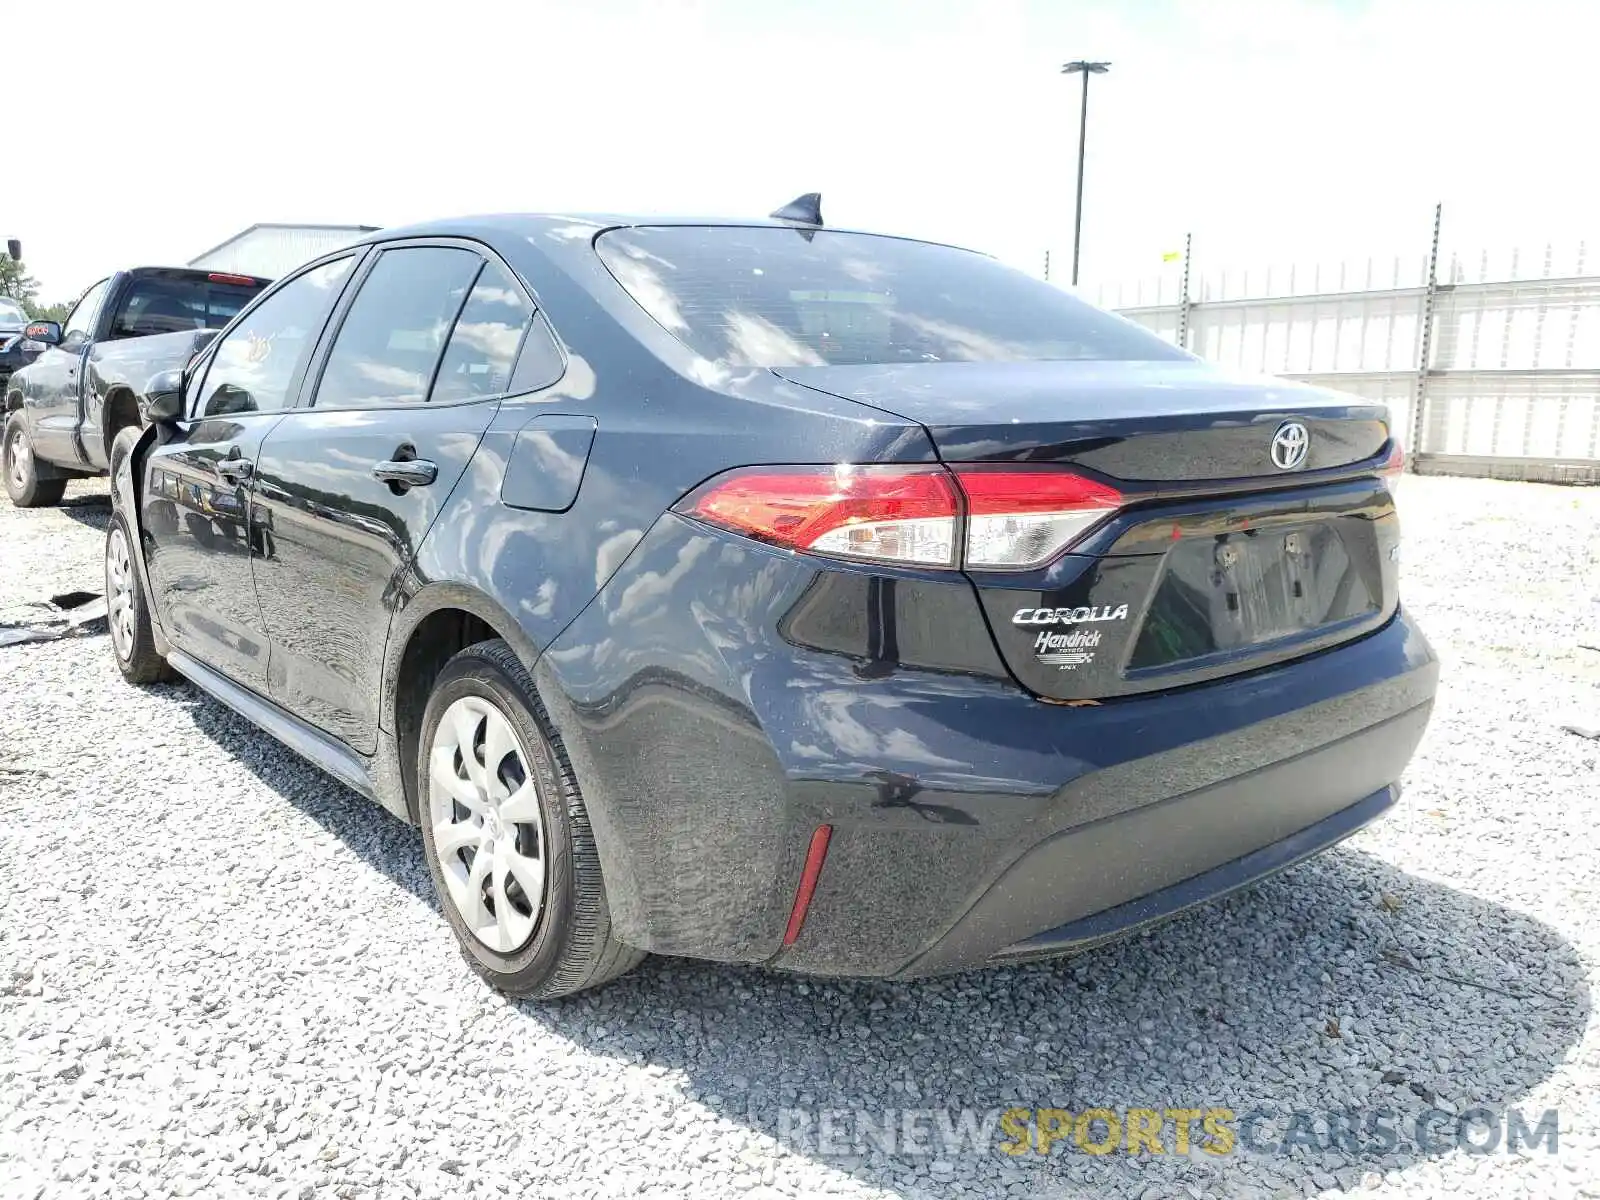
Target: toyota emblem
(1289, 445)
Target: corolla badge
(1289, 445)
(1068, 616)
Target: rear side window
(257, 360)
(774, 297)
(483, 347)
(175, 304)
(391, 338)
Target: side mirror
(163, 398)
(47, 332)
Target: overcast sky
(1279, 130)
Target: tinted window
(483, 345)
(390, 341)
(257, 360)
(773, 297)
(540, 364)
(81, 319)
(164, 304)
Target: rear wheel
(506, 834)
(23, 484)
(132, 642)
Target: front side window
(392, 336)
(257, 361)
(483, 345)
(771, 296)
(80, 321)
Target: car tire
(23, 484)
(121, 446)
(128, 616)
(558, 942)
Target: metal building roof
(274, 250)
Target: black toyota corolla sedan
(768, 593)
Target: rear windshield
(778, 297)
(168, 304)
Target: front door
(55, 381)
(196, 509)
(352, 483)
(196, 525)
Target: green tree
(16, 282)
(24, 289)
(56, 312)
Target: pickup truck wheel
(131, 640)
(23, 484)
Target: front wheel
(506, 834)
(127, 613)
(23, 484)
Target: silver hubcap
(119, 593)
(488, 830)
(18, 456)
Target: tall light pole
(1086, 69)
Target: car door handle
(234, 467)
(406, 473)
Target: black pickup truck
(65, 408)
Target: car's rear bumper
(970, 821)
(1084, 932)
(1129, 843)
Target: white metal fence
(1490, 364)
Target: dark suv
(768, 593)
(15, 352)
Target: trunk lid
(1147, 421)
(1221, 560)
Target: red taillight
(1018, 518)
(1015, 518)
(894, 514)
(221, 277)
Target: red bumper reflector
(815, 853)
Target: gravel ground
(223, 974)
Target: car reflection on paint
(214, 516)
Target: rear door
(196, 523)
(350, 482)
